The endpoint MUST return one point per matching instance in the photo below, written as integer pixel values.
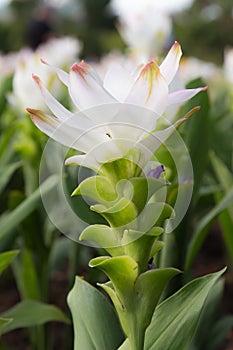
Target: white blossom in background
(60, 52)
(8, 62)
(130, 62)
(117, 112)
(192, 68)
(142, 25)
(228, 64)
(146, 25)
(173, 6)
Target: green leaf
(5, 259)
(29, 313)
(7, 149)
(122, 270)
(143, 189)
(141, 246)
(125, 345)
(226, 223)
(223, 174)
(11, 220)
(26, 275)
(98, 188)
(106, 237)
(174, 322)
(195, 130)
(96, 325)
(123, 212)
(225, 178)
(6, 173)
(3, 323)
(208, 317)
(201, 229)
(149, 287)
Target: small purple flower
(156, 172)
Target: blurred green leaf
(10, 221)
(30, 313)
(96, 325)
(218, 333)
(3, 323)
(5, 259)
(26, 275)
(196, 129)
(225, 177)
(202, 227)
(6, 172)
(5, 87)
(6, 148)
(226, 223)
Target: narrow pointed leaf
(29, 313)
(5, 259)
(11, 220)
(195, 130)
(174, 322)
(3, 323)
(201, 230)
(26, 275)
(6, 173)
(96, 325)
(149, 287)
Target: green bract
(134, 208)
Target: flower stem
(136, 334)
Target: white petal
(136, 116)
(112, 150)
(55, 107)
(183, 95)
(85, 90)
(84, 160)
(153, 141)
(63, 76)
(132, 122)
(118, 82)
(150, 89)
(65, 133)
(170, 64)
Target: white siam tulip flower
(61, 52)
(145, 28)
(146, 25)
(125, 7)
(115, 114)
